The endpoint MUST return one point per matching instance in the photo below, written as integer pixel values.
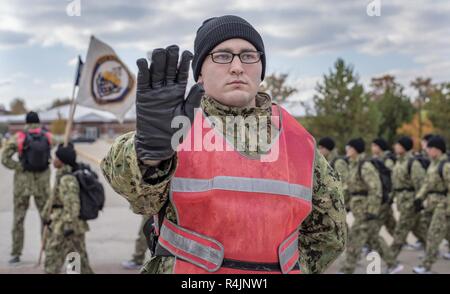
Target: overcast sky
(39, 41)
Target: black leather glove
(68, 232)
(160, 98)
(418, 205)
(370, 216)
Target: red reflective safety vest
(237, 214)
(21, 136)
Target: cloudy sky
(39, 40)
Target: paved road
(111, 238)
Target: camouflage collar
(212, 107)
(31, 127)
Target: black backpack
(92, 194)
(385, 176)
(424, 162)
(441, 167)
(35, 155)
(391, 156)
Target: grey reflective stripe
(286, 255)
(209, 254)
(242, 185)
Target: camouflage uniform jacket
(401, 179)
(25, 182)
(434, 183)
(366, 180)
(322, 234)
(65, 204)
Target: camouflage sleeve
(418, 174)
(323, 233)
(145, 188)
(370, 176)
(341, 168)
(70, 196)
(8, 152)
(389, 163)
(446, 175)
(426, 186)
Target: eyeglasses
(225, 57)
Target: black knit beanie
(327, 142)
(437, 142)
(67, 154)
(381, 143)
(216, 30)
(358, 144)
(32, 118)
(406, 142)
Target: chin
(238, 98)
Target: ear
(200, 79)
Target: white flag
(106, 83)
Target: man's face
(398, 149)
(234, 84)
(324, 151)
(57, 163)
(376, 150)
(434, 152)
(350, 152)
(424, 144)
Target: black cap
(358, 144)
(216, 30)
(32, 118)
(327, 142)
(406, 142)
(67, 154)
(381, 143)
(437, 142)
(427, 137)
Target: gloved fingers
(158, 67)
(193, 100)
(143, 77)
(172, 63)
(183, 69)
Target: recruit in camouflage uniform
(366, 196)
(323, 233)
(434, 192)
(405, 185)
(386, 216)
(26, 184)
(66, 230)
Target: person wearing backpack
(434, 193)
(326, 146)
(407, 177)
(66, 228)
(380, 150)
(366, 190)
(31, 174)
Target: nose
(236, 67)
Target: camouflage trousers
(408, 221)
(158, 265)
(140, 245)
(58, 247)
(437, 231)
(364, 232)
(21, 204)
(387, 219)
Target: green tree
(395, 108)
(342, 109)
(18, 106)
(438, 108)
(275, 86)
(60, 102)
